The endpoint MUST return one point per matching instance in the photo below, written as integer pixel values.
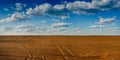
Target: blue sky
(59, 17)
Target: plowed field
(59, 48)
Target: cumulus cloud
(43, 21)
(94, 26)
(106, 4)
(59, 7)
(42, 28)
(81, 7)
(61, 29)
(26, 30)
(103, 22)
(6, 9)
(19, 6)
(67, 30)
(39, 10)
(60, 25)
(97, 26)
(113, 29)
(26, 25)
(78, 7)
(6, 28)
(106, 20)
(92, 7)
(17, 16)
(48, 10)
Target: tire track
(43, 57)
(31, 54)
(78, 57)
(64, 51)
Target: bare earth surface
(59, 48)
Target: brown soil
(59, 48)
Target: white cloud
(103, 22)
(106, 20)
(19, 6)
(95, 6)
(78, 7)
(59, 7)
(26, 25)
(42, 28)
(94, 26)
(61, 29)
(6, 9)
(60, 25)
(113, 29)
(97, 26)
(61, 10)
(64, 17)
(49, 10)
(43, 21)
(17, 16)
(39, 10)
(106, 4)
(6, 28)
(26, 30)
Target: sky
(59, 17)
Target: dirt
(59, 48)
